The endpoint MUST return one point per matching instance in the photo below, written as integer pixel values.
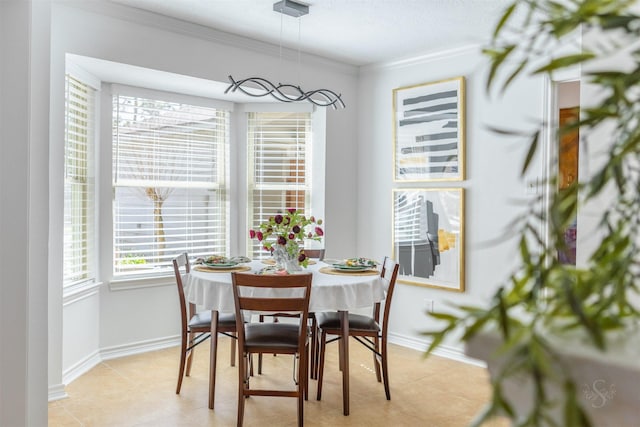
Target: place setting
(351, 266)
(222, 264)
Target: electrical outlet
(428, 305)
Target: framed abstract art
(428, 237)
(428, 131)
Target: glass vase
(286, 257)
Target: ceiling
(356, 32)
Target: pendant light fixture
(259, 87)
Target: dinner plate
(224, 266)
(344, 267)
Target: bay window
(170, 183)
(279, 166)
(79, 183)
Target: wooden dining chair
(196, 327)
(314, 253)
(272, 294)
(368, 331)
(313, 356)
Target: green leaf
(485, 414)
(514, 74)
(438, 337)
(497, 58)
(533, 147)
(444, 316)
(564, 62)
(503, 20)
(475, 327)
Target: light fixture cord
(299, 45)
(280, 51)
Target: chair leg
(376, 363)
(261, 320)
(242, 380)
(212, 358)
(385, 369)
(303, 391)
(313, 356)
(190, 354)
(304, 368)
(323, 344)
(183, 355)
(233, 351)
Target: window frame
(134, 281)
(237, 180)
(90, 223)
(316, 153)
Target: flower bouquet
(284, 234)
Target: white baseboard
(447, 351)
(57, 392)
(139, 347)
(81, 367)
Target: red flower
(302, 257)
(289, 228)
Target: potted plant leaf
(552, 323)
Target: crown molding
(174, 25)
(422, 58)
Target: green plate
(345, 267)
(222, 265)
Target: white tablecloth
(328, 292)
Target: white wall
(595, 145)
(127, 320)
(494, 190)
(24, 136)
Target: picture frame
(429, 131)
(428, 237)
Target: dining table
(331, 290)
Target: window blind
(170, 167)
(279, 166)
(79, 229)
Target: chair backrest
(388, 275)
(180, 263)
(314, 253)
(267, 294)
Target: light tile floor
(140, 391)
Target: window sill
(75, 293)
(140, 283)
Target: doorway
(568, 111)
